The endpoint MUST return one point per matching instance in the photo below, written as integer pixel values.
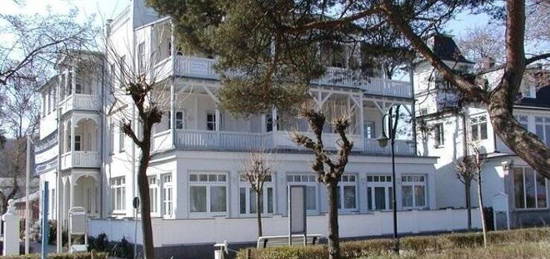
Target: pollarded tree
(257, 171)
(466, 174)
(262, 36)
(329, 171)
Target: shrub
(458, 244)
(91, 255)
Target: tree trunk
(333, 235)
(259, 212)
(467, 184)
(482, 215)
(143, 186)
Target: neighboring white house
(446, 128)
(197, 195)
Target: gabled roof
(445, 48)
(542, 100)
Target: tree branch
(537, 58)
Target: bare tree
(468, 169)
(12, 159)
(257, 172)
(31, 43)
(328, 170)
(483, 43)
(466, 175)
(139, 97)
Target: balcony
(80, 102)
(247, 141)
(203, 68)
(402, 147)
(82, 159)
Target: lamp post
(383, 142)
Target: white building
(198, 197)
(446, 129)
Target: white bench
(274, 241)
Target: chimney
(486, 63)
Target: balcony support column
(72, 135)
(361, 117)
(173, 114)
(263, 129)
(274, 119)
(73, 82)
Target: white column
(11, 230)
(274, 119)
(72, 135)
(173, 112)
(264, 124)
(218, 119)
(73, 81)
(361, 117)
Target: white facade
(446, 130)
(199, 150)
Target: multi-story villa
(449, 129)
(198, 196)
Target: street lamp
(393, 118)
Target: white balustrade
(80, 102)
(87, 159)
(199, 139)
(195, 67)
(402, 147)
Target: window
(247, 197)
(347, 195)
(439, 135)
(413, 191)
(529, 189)
(478, 126)
(121, 138)
(268, 122)
(370, 129)
(167, 194)
(211, 121)
(78, 87)
(77, 143)
(311, 188)
(118, 192)
(153, 194)
(179, 120)
(542, 129)
(208, 193)
(379, 192)
(523, 120)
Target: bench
(274, 241)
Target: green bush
(90, 255)
(458, 244)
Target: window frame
(414, 184)
(374, 181)
(347, 181)
(121, 138)
(209, 184)
(116, 183)
(167, 187)
(154, 197)
(524, 189)
(477, 122)
(268, 184)
(211, 114)
(543, 123)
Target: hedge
(417, 245)
(90, 255)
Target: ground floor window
(347, 194)
(529, 189)
(118, 191)
(167, 194)
(247, 197)
(413, 191)
(311, 188)
(379, 192)
(153, 194)
(208, 192)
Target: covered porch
(80, 142)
